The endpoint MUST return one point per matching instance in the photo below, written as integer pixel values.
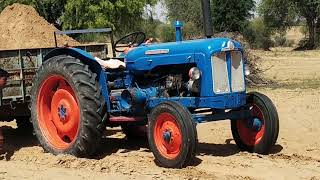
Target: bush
(258, 34)
(166, 33)
(280, 40)
(191, 31)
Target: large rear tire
(67, 107)
(259, 133)
(172, 135)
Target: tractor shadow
(112, 144)
(14, 140)
(227, 149)
(114, 141)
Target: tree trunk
(311, 42)
(317, 33)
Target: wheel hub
(167, 136)
(62, 112)
(59, 112)
(255, 124)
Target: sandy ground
(295, 156)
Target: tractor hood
(173, 48)
(147, 56)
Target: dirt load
(23, 28)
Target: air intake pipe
(207, 19)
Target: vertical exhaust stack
(207, 19)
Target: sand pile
(22, 27)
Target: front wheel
(259, 132)
(172, 135)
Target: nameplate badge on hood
(157, 51)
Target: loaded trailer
(22, 65)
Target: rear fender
(89, 60)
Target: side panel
(226, 101)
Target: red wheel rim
(248, 135)
(58, 112)
(167, 136)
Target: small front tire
(260, 132)
(172, 135)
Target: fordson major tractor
(167, 87)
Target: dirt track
(296, 155)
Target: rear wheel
(172, 135)
(260, 132)
(67, 107)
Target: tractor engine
(179, 81)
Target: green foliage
(149, 27)
(166, 33)
(190, 31)
(228, 15)
(122, 15)
(258, 34)
(281, 14)
(5, 3)
(188, 11)
(51, 10)
(231, 15)
(278, 14)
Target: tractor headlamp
(194, 73)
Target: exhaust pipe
(207, 19)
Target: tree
(281, 14)
(228, 15)
(231, 15)
(188, 11)
(122, 15)
(309, 9)
(51, 10)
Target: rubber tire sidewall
(271, 122)
(88, 136)
(187, 128)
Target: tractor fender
(89, 60)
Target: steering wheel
(130, 40)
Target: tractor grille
(237, 72)
(220, 72)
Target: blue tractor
(168, 88)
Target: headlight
(194, 73)
(246, 70)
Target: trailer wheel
(172, 135)
(67, 107)
(259, 133)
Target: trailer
(22, 65)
